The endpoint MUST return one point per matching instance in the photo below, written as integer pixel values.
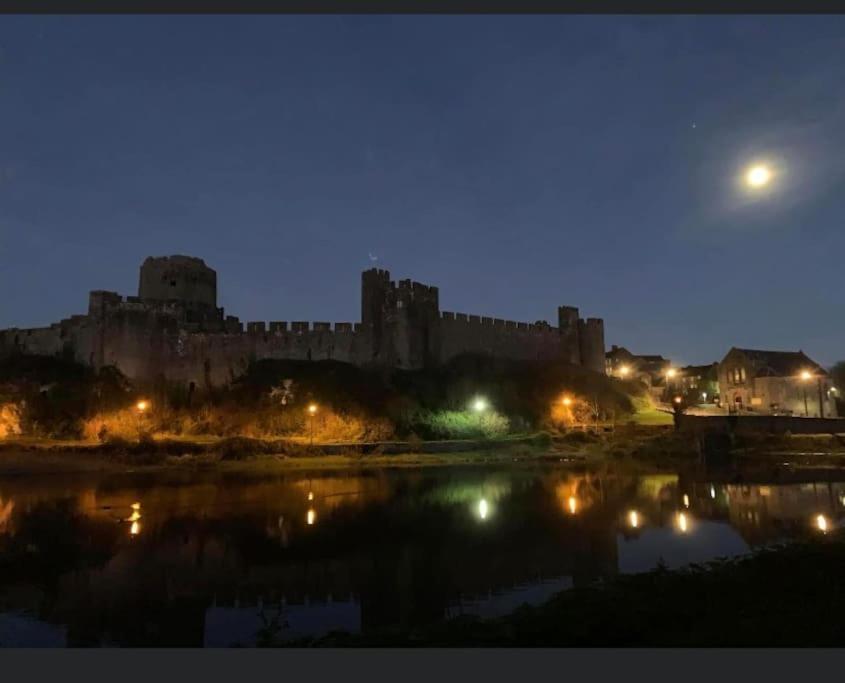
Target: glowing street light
(566, 401)
(671, 372)
(479, 405)
(805, 377)
(483, 509)
(624, 370)
(678, 399)
(135, 529)
(633, 519)
(573, 505)
(142, 405)
(686, 500)
(683, 524)
(821, 523)
(312, 411)
(712, 491)
(310, 517)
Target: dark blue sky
(518, 163)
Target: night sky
(518, 163)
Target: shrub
(10, 420)
(453, 424)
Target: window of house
(742, 374)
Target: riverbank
(635, 444)
(789, 596)
(239, 454)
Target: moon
(758, 176)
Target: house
(775, 383)
(699, 383)
(620, 362)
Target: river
(214, 560)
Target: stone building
(699, 383)
(775, 382)
(173, 330)
(650, 370)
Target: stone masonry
(173, 330)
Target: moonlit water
(183, 559)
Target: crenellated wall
(463, 333)
(186, 338)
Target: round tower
(178, 278)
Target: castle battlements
(174, 330)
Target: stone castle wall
(185, 338)
(462, 333)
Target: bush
(10, 420)
(452, 424)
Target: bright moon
(758, 176)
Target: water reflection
(187, 560)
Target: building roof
(781, 363)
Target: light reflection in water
(213, 542)
(135, 517)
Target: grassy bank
(788, 596)
(30, 455)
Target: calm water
(208, 560)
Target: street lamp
(806, 376)
(141, 407)
(670, 375)
(624, 370)
(479, 405)
(312, 411)
(566, 401)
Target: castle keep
(174, 330)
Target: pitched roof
(781, 363)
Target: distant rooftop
(781, 363)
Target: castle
(173, 330)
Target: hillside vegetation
(470, 397)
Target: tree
(837, 375)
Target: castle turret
(567, 317)
(591, 341)
(178, 278)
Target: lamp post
(806, 376)
(312, 411)
(670, 374)
(141, 407)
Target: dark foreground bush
(792, 596)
